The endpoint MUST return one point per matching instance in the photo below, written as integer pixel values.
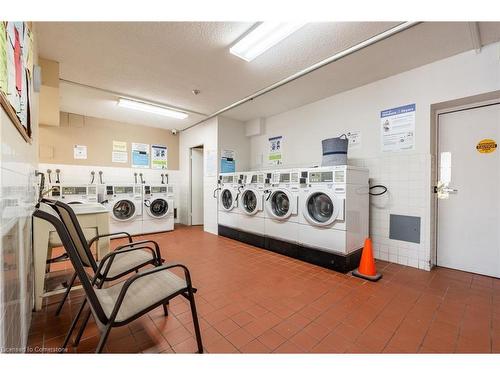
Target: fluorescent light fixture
(263, 37)
(151, 108)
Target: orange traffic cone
(366, 269)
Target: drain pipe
(357, 47)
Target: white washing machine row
(315, 214)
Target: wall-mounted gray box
(404, 228)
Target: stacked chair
(137, 290)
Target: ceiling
(164, 62)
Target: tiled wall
(17, 201)
(406, 178)
(80, 174)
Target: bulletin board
(16, 72)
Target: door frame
(190, 200)
(463, 104)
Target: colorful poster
(159, 157)
(398, 128)
(3, 58)
(227, 161)
(275, 155)
(140, 155)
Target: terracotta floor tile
(271, 339)
(248, 293)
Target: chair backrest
(76, 261)
(70, 221)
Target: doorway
(196, 213)
(468, 189)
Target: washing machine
(73, 193)
(124, 202)
(281, 203)
(251, 208)
(228, 214)
(158, 209)
(334, 207)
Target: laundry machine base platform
(333, 261)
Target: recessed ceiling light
(151, 108)
(263, 37)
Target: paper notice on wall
(227, 162)
(398, 128)
(354, 137)
(119, 157)
(211, 163)
(80, 152)
(159, 157)
(119, 146)
(140, 155)
(275, 152)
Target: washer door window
(321, 209)
(280, 204)
(158, 208)
(249, 202)
(226, 199)
(124, 210)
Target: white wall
(204, 134)
(232, 137)
(18, 161)
(407, 174)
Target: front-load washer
(124, 202)
(251, 208)
(228, 214)
(158, 210)
(281, 208)
(74, 193)
(334, 203)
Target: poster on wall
(140, 155)
(159, 157)
(275, 155)
(398, 128)
(80, 152)
(119, 157)
(211, 164)
(120, 146)
(227, 161)
(354, 137)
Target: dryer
(334, 204)
(282, 208)
(124, 202)
(74, 193)
(158, 209)
(251, 208)
(228, 214)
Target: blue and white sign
(140, 155)
(398, 128)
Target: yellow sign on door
(486, 146)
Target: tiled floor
(255, 301)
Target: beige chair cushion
(144, 292)
(128, 261)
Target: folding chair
(121, 261)
(127, 300)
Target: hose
(384, 190)
(92, 173)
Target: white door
(197, 186)
(469, 197)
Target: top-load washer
(74, 193)
(228, 214)
(158, 210)
(282, 207)
(334, 204)
(124, 202)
